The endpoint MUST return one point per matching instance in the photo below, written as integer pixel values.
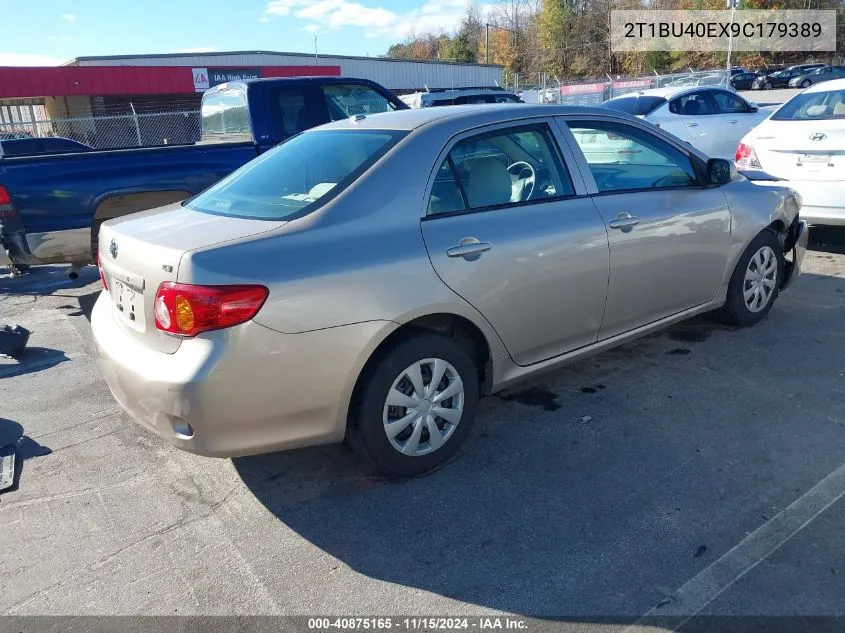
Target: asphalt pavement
(696, 471)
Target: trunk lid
(141, 251)
(801, 150)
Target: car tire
(755, 282)
(767, 86)
(806, 83)
(408, 451)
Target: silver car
(370, 279)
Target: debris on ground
(585, 419)
(700, 551)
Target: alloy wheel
(761, 280)
(423, 407)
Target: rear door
(669, 236)
(692, 118)
(509, 228)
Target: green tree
(552, 24)
(461, 48)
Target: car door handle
(624, 221)
(732, 121)
(692, 124)
(469, 248)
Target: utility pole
(732, 6)
(316, 58)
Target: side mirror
(720, 171)
(753, 107)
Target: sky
(49, 32)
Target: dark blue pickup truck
(51, 206)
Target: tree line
(567, 40)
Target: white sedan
(711, 119)
(804, 142)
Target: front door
(692, 118)
(669, 236)
(507, 231)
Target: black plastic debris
(13, 340)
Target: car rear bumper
(242, 391)
(797, 239)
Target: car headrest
(692, 106)
(488, 182)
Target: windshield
(225, 113)
(635, 105)
(294, 176)
(813, 106)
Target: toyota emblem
(818, 136)
(113, 249)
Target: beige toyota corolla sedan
(372, 278)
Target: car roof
(471, 115)
(315, 79)
(827, 86)
(667, 93)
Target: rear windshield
(637, 105)
(812, 106)
(293, 177)
(225, 116)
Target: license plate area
(815, 158)
(129, 303)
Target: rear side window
(295, 176)
(289, 112)
(506, 167)
(225, 113)
(636, 105)
(693, 104)
(346, 100)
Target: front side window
(622, 158)
(225, 113)
(727, 102)
(693, 104)
(346, 100)
(507, 167)
(809, 106)
(506, 99)
(295, 176)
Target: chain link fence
(597, 91)
(115, 131)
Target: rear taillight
(5, 198)
(187, 310)
(102, 272)
(746, 157)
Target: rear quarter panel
(753, 208)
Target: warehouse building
(126, 100)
